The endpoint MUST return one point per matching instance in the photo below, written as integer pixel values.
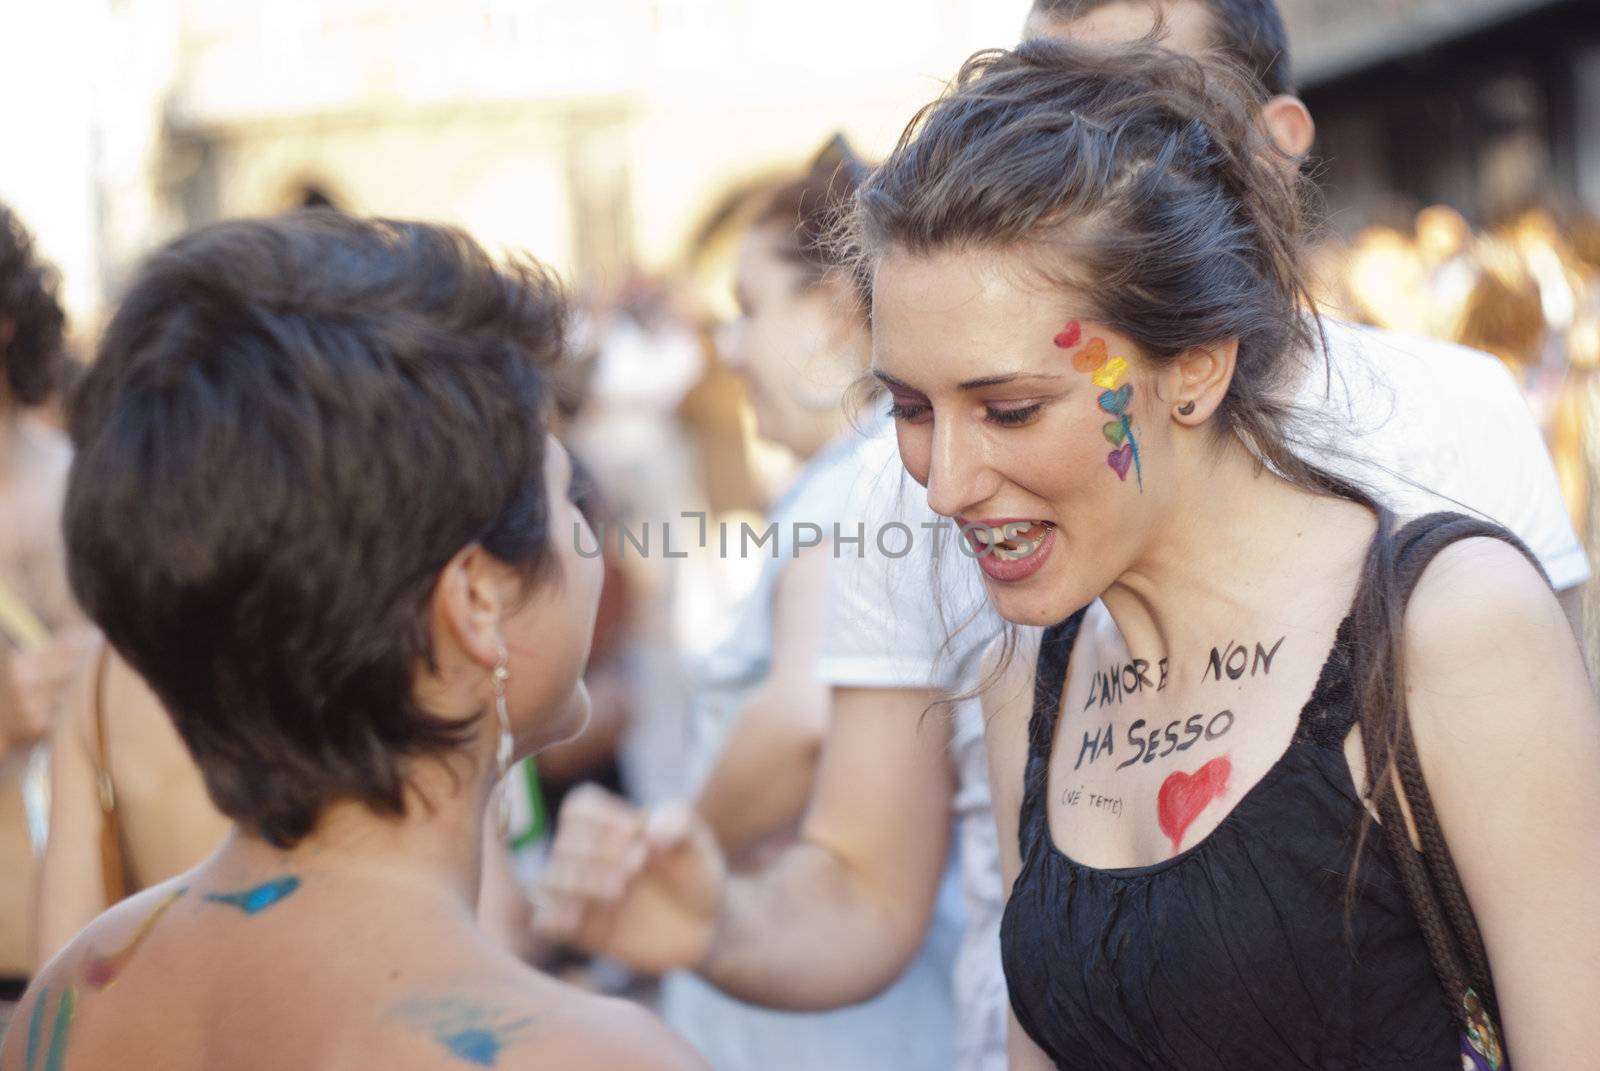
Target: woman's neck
(1239, 545)
(12, 433)
(434, 851)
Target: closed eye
(915, 412)
(1011, 418)
(910, 412)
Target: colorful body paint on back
(1108, 373)
(256, 900)
(58, 1032)
(472, 1033)
(1183, 796)
(35, 1025)
(102, 971)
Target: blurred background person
(43, 639)
(758, 712)
(128, 805)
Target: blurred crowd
(681, 421)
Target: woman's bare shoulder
(535, 1023)
(605, 1033)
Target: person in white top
(839, 915)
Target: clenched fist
(33, 682)
(641, 888)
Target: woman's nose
(958, 475)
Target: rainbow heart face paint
(1116, 396)
(1069, 336)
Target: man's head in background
(1251, 32)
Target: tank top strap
(1049, 678)
(1420, 541)
(1332, 710)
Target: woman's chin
(1035, 609)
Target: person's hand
(641, 888)
(33, 683)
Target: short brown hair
(293, 424)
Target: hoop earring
(1186, 409)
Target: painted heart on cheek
(1110, 377)
(1069, 335)
(1115, 432)
(1121, 460)
(1183, 796)
(1116, 401)
(1091, 356)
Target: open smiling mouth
(1010, 542)
(1010, 551)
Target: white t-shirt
(868, 1036)
(1409, 413)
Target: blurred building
(592, 132)
(596, 132)
(1491, 106)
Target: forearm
(71, 889)
(807, 933)
(762, 780)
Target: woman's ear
(1290, 123)
(467, 605)
(1198, 381)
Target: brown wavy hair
(34, 361)
(1142, 180)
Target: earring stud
(1186, 409)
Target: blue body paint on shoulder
(35, 1022)
(253, 901)
(58, 1032)
(475, 1046)
(471, 1032)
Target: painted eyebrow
(971, 384)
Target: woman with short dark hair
(316, 507)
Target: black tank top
(1235, 954)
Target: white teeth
(1022, 551)
(994, 540)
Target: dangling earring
(502, 673)
(1186, 409)
(502, 755)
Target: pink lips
(1010, 572)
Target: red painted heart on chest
(1183, 796)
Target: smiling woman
(1090, 312)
